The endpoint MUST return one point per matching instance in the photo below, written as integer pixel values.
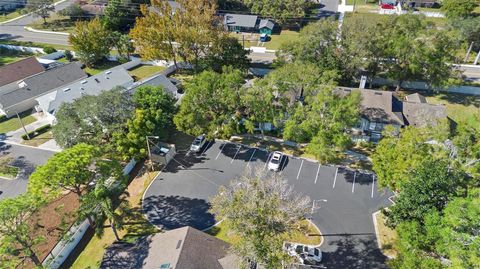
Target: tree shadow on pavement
(171, 212)
(127, 255)
(354, 251)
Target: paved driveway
(26, 159)
(179, 196)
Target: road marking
(206, 147)
(220, 150)
(318, 170)
(335, 180)
(373, 183)
(251, 157)
(268, 158)
(236, 154)
(354, 177)
(300, 169)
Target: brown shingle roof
(19, 70)
(416, 98)
(423, 114)
(182, 248)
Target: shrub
(49, 50)
(40, 130)
(69, 55)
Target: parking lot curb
(319, 232)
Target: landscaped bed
(307, 234)
(386, 236)
(6, 170)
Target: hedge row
(40, 130)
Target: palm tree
(100, 205)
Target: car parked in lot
(198, 143)
(275, 161)
(305, 254)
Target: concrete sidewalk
(16, 136)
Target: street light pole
(23, 126)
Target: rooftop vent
(108, 72)
(179, 244)
(66, 89)
(83, 81)
(378, 93)
(96, 79)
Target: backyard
(274, 42)
(144, 71)
(105, 65)
(460, 107)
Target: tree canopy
(455, 9)
(90, 41)
(93, 119)
(40, 8)
(153, 116)
(210, 104)
(280, 10)
(260, 208)
(17, 240)
(119, 15)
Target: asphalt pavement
(179, 196)
(26, 159)
(16, 31)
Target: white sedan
(275, 161)
(305, 254)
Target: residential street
(17, 32)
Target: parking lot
(179, 196)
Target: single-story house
(159, 80)
(50, 102)
(15, 72)
(22, 95)
(182, 248)
(247, 23)
(379, 109)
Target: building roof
(264, 23)
(423, 114)
(182, 248)
(19, 70)
(378, 106)
(248, 21)
(159, 80)
(416, 98)
(93, 85)
(42, 83)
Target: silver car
(198, 143)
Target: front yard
(13, 123)
(460, 107)
(55, 23)
(274, 42)
(5, 16)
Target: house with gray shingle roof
(21, 96)
(182, 248)
(247, 23)
(50, 102)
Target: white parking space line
(354, 177)
(318, 170)
(251, 157)
(239, 147)
(220, 150)
(373, 184)
(335, 180)
(206, 147)
(299, 170)
(266, 162)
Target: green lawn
(101, 67)
(460, 107)
(10, 59)
(135, 226)
(252, 40)
(10, 15)
(144, 71)
(55, 23)
(34, 44)
(306, 234)
(13, 123)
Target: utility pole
(23, 126)
(148, 148)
